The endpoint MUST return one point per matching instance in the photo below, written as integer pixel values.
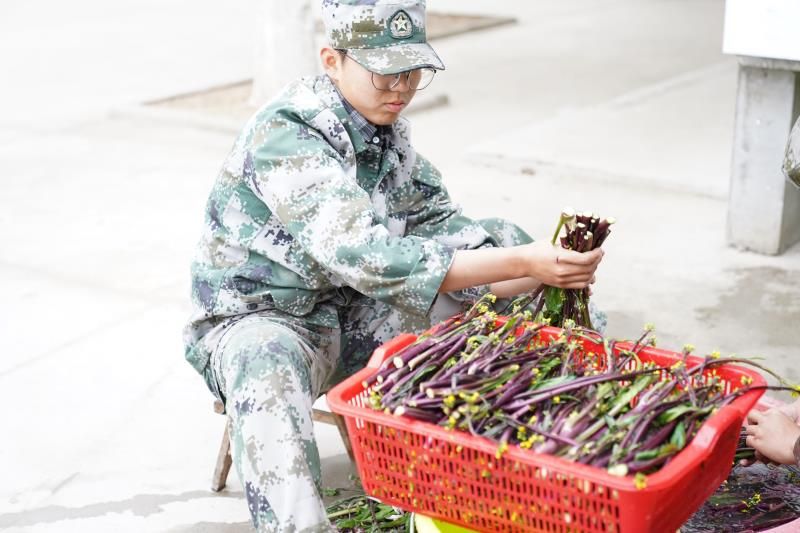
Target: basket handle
(388, 349)
(705, 442)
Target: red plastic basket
(459, 478)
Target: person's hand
(757, 459)
(772, 434)
(562, 268)
(792, 410)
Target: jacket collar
(360, 131)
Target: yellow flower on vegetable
(501, 450)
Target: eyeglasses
(416, 79)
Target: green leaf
(676, 412)
(383, 512)
(553, 301)
(666, 449)
(553, 382)
(647, 455)
(604, 389)
(678, 438)
(628, 394)
(546, 366)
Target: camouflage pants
(270, 367)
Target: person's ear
(331, 62)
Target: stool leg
(342, 426)
(332, 418)
(224, 462)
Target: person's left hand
(772, 434)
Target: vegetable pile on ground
(753, 498)
(362, 514)
(497, 379)
(584, 232)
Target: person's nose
(403, 84)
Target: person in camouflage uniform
(326, 235)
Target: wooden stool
(224, 461)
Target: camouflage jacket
(306, 213)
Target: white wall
(763, 28)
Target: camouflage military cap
(384, 36)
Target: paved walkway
(619, 106)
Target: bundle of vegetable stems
(584, 232)
(494, 379)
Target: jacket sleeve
(436, 217)
(311, 189)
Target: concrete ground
(622, 107)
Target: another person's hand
(792, 410)
(562, 268)
(772, 434)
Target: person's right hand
(562, 268)
(792, 410)
(772, 434)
